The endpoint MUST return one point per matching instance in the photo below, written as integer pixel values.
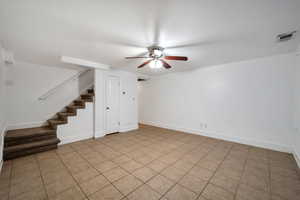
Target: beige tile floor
(152, 163)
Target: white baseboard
(73, 138)
(297, 158)
(130, 127)
(2, 134)
(25, 125)
(1, 165)
(262, 144)
(99, 133)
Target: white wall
(27, 82)
(248, 102)
(3, 98)
(128, 101)
(296, 140)
(79, 127)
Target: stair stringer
(79, 127)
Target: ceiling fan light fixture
(157, 53)
(156, 64)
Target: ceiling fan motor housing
(155, 52)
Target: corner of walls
(296, 114)
(3, 128)
(2, 105)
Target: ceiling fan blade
(136, 57)
(182, 58)
(165, 64)
(145, 63)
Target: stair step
(28, 133)
(28, 140)
(23, 136)
(86, 96)
(66, 114)
(30, 148)
(88, 100)
(91, 91)
(79, 102)
(55, 122)
(75, 107)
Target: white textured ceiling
(209, 32)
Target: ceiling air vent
(286, 36)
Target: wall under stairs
(22, 142)
(79, 127)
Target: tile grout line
(270, 178)
(96, 176)
(240, 179)
(208, 182)
(43, 181)
(10, 179)
(70, 173)
(197, 196)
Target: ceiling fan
(156, 55)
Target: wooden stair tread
(57, 121)
(88, 95)
(79, 101)
(66, 113)
(26, 152)
(31, 145)
(28, 132)
(76, 106)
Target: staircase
(22, 142)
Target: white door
(113, 104)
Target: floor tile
(201, 173)
(121, 159)
(38, 193)
(150, 162)
(127, 184)
(212, 192)
(144, 192)
(85, 175)
(107, 193)
(179, 193)
(144, 174)
(115, 174)
(226, 183)
(193, 183)
(249, 193)
(27, 186)
(131, 166)
(59, 186)
(73, 193)
(160, 184)
(94, 184)
(157, 165)
(105, 166)
(173, 173)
